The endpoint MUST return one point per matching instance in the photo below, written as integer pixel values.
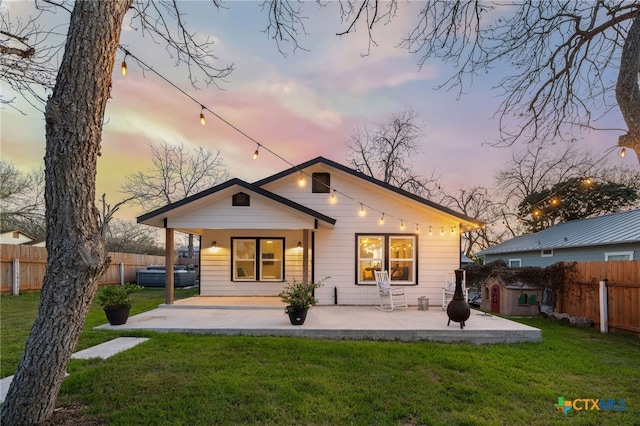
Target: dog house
(514, 298)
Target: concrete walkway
(266, 317)
(103, 350)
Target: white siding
(335, 250)
(261, 214)
(215, 263)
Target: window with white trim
(515, 263)
(546, 253)
(395, 253)
(257, 259)
(618, 255)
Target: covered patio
(264, 316)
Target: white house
(315, 220)
(14, 236)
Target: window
(258, 259)
(240, 199)
(547, 253)
(515, 263)
(618, 255)
(394, 253)
(320, 183)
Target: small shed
(510, 298)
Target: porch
(264, 316)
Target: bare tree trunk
(76, 252)
(627, 90)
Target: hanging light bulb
(362, 212)
(333, 199)
(442, 230)
(123, 67)
(255, 153)
(202, 120)
(623, 152)
(301, 181)
(381, 221)
(430, 231)
(401, 225)
(417, 228)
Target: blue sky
(300, 107)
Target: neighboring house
(14, 236)
(465, 260)
(611, 237)
(183, 251)
(254, 237)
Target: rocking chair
(390, 297)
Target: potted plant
(116, 303)
(299, 298)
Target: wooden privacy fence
(25, 265)
(581, 296)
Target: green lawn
(198, 379)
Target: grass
(183, 379)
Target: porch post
(305, 256)
(168, 268)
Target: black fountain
(458, 309)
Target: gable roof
(352, 172)
(154, 216)
(617, 228)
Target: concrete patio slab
(225, 317)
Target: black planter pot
(297, 316)
(117, 316)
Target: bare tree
(26, 52)
(22, 200)
(477, 202)
(127, 236)
(536, 170)
(535, 167)
(385, 153)
(176, 173)
(107, 212)
(563, 55)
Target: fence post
(604, 305)
(15, 284)
(121, 273)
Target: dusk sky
(302, 106)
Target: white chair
(450, 288)
(390, 297)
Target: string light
(402, 225)
(333, 199)
(123, 67)
(301, 181)
(202, 120)
(417, 228)
(442, 230)
(430, 232)
(623, 152)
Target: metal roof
(617, 228)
